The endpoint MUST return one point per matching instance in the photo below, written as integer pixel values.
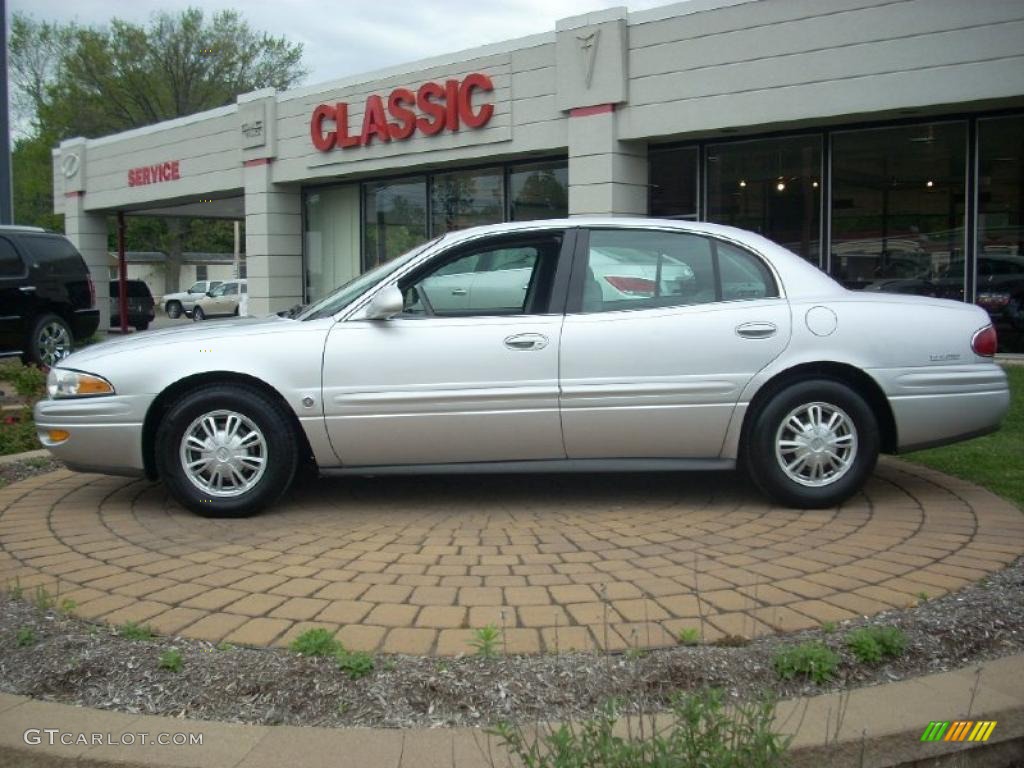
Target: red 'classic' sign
(154, 174)
(431, 109)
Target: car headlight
(63, 383)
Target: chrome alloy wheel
(54, 343)
(816, 444)
(223, 453)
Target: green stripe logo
(935, 731)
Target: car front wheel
(812, 445)
(173, 309)
(198, 315)
(227, 450)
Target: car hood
(220, 329)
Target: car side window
(646, 269)
(10, 261)
(743, 275)
(231, 289)
(510, 277)
(199, 287)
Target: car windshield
(353, 289)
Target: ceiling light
(929, 183)
(743, 183)
(781, 186)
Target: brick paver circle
(413, 565)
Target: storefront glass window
(539, 191)
(769, 186)
(395, 218)
(673, 183)
(467, 199)
(898, 197)
(1000, 281)
(332, 238)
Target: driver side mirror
(386, 304)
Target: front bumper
(105, 433)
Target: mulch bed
(76, 661)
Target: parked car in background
(181, 303)
(47, 299)
(141, 307)
(221, 301)
(596, 344)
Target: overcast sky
(344, 37)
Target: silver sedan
(575, 345)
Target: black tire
(141, 326)
(765, 467)
(174, 310)
(278, 431)
(198, 315)
(50, 340)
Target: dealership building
(882, 140)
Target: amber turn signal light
(58, 435)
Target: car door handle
(524, 341)
(756, 330)
(459, 291)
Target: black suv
(47, 299)
(141, 307)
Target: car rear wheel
(227, 451)
(812, 445)
(173, 309)
(50, 341)
(141, 326)
(198, 315)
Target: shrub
(171, 660)
(28, 381)
(316, 642)
(689, 636)
(813, 660)
(26, 637)
(132, 631)
(872, 644)
(355, 664)
(485, 640)
(703, 732)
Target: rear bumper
(85, 322)
(938, 405)
(105, 433)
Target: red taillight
(632, 285)
(92, 292)
(985, 342)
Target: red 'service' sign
(431, 109)
(154, 174)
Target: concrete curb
(42, 453)
(875, 727)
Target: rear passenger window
(55, 256)
(10, 261)
(645, 269)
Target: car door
(664, 330)
(439, 384)
(225, 297)
(15, 297)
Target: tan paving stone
(172, 621)
(213, 599)
(136, 612)
(214, 626)
(258, 631)
(414, 642)
(301, 587)
(441, 617)
(299, 608)
(822, 612)
(255, 605)
(393, 615)
(361, 637)
(344, 611)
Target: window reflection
(1000, 283)
(539, 191)
(673, 183)
(770, 186)
(898, 199)
(467, 199)
(396, 218)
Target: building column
(273, 240)
(606, 176)
(88, 232)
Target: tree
(84, 81)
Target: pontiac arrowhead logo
(588, 44)
(69, 165)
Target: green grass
(316, 642)
(813, 660)
(132, 631)
(995, 461)
(872, 644)
(485, 640)
(355, 664)
(171, 660)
